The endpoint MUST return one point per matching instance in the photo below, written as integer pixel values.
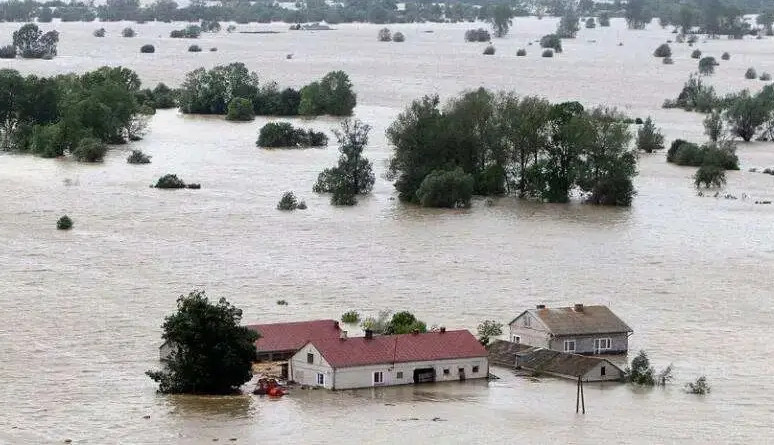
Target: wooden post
(577, 395)
(583, 399)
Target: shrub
(696, 54)
(726, 56)
(7, 52)
(713, 126)
(398, 37)
(707, 65)
(350, 317)
(613, 191)
(521, 52)
(148, 49)
(590, 23)
(489, 50)
(692, 39)
(190, 32)
(210, 26)
(709, 176)
(765, 77)
(283, 134)
(686, 153)
(240, 109)
(128, 32)
(194, 49)
(649, 138)
(551, 41)
(287, 202)
(604, 20)
(667, 61)
(213, 49)
(384, 35)
(138, 157)
(640, 372)
(700, 386)
(89, 150)
(663, 51)
(164, 97)
(548, 53)
(443, 188)
(64, 223)
(99, 32)
(751, 74)
(477, 35)
(282, 303)
(170, 181)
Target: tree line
(487, 143)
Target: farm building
(279, 341)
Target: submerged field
(80, 311)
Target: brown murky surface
(80, 310)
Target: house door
(424, 375)
(461, 372)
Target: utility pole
(580, 401)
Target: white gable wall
(300, 371)
(529, 330)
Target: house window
(526, 321)
(446, 371)
(309, 357)
(569, 346)
(602, 371)
(378, 377)
(320, 378)
(602, 344)
(399, 375)
(475, 369)
(516, 339)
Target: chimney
(578, 307)
(343, 335)
(369, 334)
(443, 329)
(336, 324)
(541, 306)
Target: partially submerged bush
(350, 317)
(288, 202)
(751, 73)
(709, 176)
(686, 153)
(170, 181)
(695, 54)
(551, 41)
(128, 32)
(64, 223)
(8, 52)
(138, 157)
(148, 49)
(604, 20)
(99, 32)
(384, 35)
(590, 23)
(663, 51)
(398, 37)
(726, 56)
(283, 134)
(667, 61)
(548, 53)
(89, 150)
(521, 52)
(649, 138)
(641, 373)
(194, 49)
(477, 35)
(489, 50)
(765, 77)
(442, 188)
(240, 109)
(190, 32)
(707, 65)
(699, 387)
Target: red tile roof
(276, 337)
(359, 351)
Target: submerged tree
(649, 138)
(501, 20)
(211, 352)
(353, 175)
(405, 322)
(489, 329)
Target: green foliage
(332, 95)
(604, 20)
(568, 24)
(488, 329)
(695, 54)
(64, 223)
(353, 175)
(170, 181)
(649, 138)
(99, 32)
(32, 43)
(707, 66)
(521, 52)
(210, 26)
(765, 77)
(663, 51)
(350, 317)
(138, 157)
(667, 61)
(450, 189)
(405, 322)
(713, 126)
(489, 50)
(45, 15)
(128, 32)
(640, 372)
(398, 37)
(699, 387)
(751, 74)
(7, 52)
(288, 201)
(384, 35)
(686, 153)
(189, 32)
(164, 97)
(477, 35)
(726, 56)
(147, 49)
(194, 49)
(709, 176)
(590, 23)
(501, 19)
(548, 53)
(377, 324)
(283, 134)
(240, 109)
(212, 353)
(551, 41)
(747, 114)
(638, 14)
(89, 150)
(696, 96)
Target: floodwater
(80, 311)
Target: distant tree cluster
(488, 144)
(30, 42)
(284, 135)
(713, 18)
(477, 35)
(189, 32)
(76, 114)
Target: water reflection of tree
(231, 407)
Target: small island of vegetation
(284, 135)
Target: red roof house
(279, 341)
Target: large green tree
(212, 353)
(353, 175)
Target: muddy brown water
(80, 311)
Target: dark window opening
(445, 372)
(475, 369)
(602, 372)
(309, 357)
(399, 375)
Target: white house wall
(306, 373)
(535, 334)
(362, 376)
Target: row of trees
(76, 114)
(211, 91)
(490, 144)
(711, 17)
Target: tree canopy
(354, 174)
(211, 352)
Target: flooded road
(80, 311)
